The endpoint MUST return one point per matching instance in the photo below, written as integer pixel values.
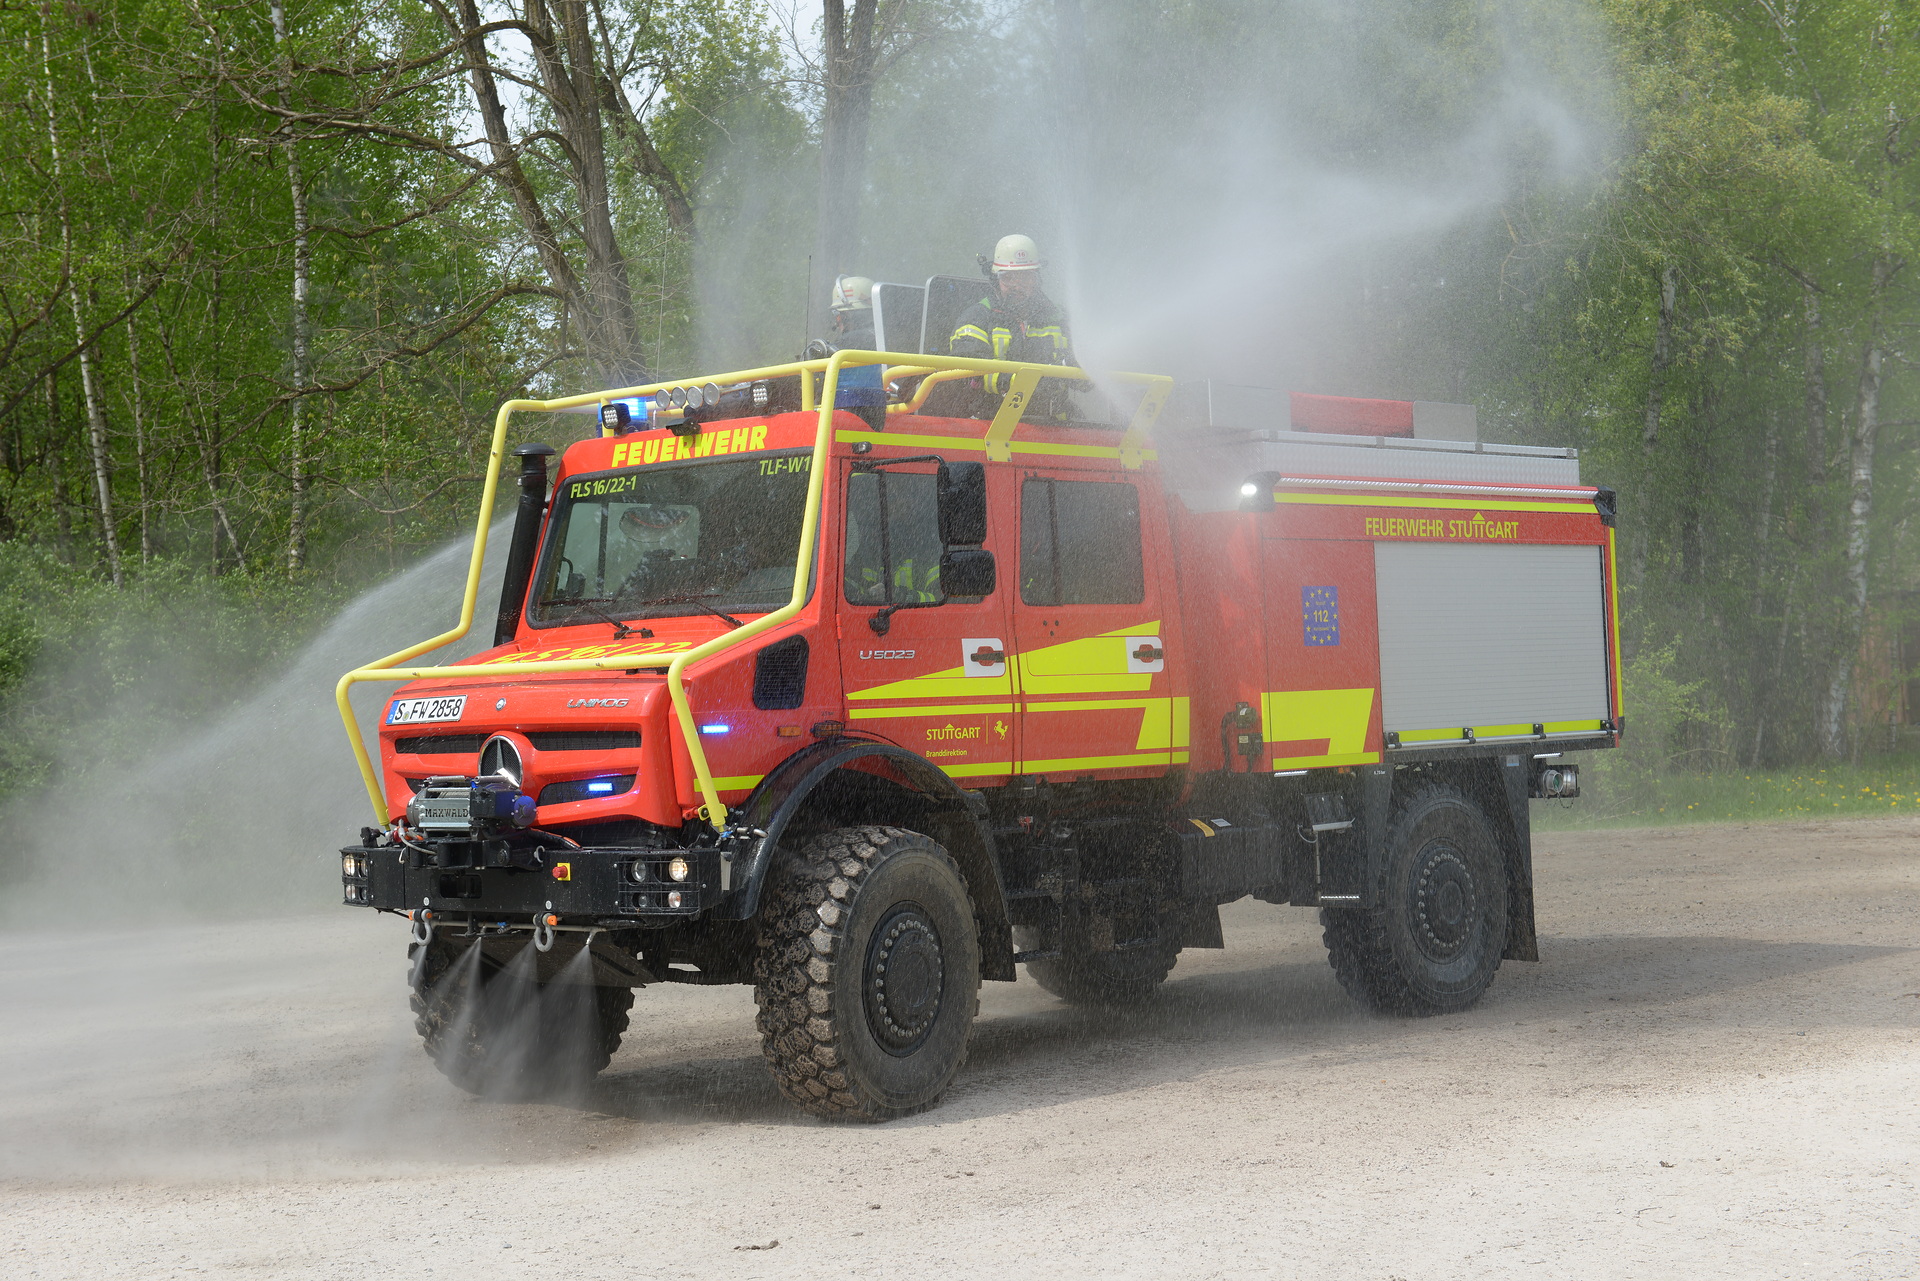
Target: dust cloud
(246, 813)
(1285, 195)
(1238, 197)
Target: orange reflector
(788, 731)
(562, 872)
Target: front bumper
(598, 886)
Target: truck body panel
(1205, 664)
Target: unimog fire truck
(865, 706)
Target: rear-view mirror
(967, 571)
(963, 505)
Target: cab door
(1091, 646)
(938, 680)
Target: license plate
(415, 711)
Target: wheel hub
(1444, 901)
(905, 979)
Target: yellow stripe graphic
(1340, 716)
(956, 709)
(1494, 503)
(1018, 446)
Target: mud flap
(1193, 925)
(1351, 861)
(1516, 833)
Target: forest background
(267, 268)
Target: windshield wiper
(592, 606)
(698, 602)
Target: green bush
(90, 674)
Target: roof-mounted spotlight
(616, 418)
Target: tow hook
(422, 926)
(543, 923)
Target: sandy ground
(1712, 1074)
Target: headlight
(349, 865)
(677, 870)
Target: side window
(893, 539)
(1080, 543)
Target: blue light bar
(605, 785)
(716, 729)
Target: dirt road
(1714, 1073)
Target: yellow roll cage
(1024, 378)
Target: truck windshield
(662, 541)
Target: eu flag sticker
(1320, 615)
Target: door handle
(1149, 654)
(988, 657)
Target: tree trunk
(1657, 367)
(848, 57)
(599, 299)
(1661, 362)
(97, 439)
(1816, 394)
(62, 522)
(140, 461)
(302, 273)
(574, 85)
(1866, 426)
(101, 448)
(1073, 144)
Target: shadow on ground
(1030, 1050)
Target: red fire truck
(865, 707)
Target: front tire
(1434, 942)
(867, 974)
(494, 1031)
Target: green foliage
(1672, 731)
(1888, 787)
(1478, 200)
(1761, 170)
(91, 676)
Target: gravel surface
(1712, 1074)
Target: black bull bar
(583, 887)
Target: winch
(452, 807)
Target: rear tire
(867, 974)
(495, 1033)
(1434, 942)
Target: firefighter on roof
(1015, 321)
(853, 313)
(852, 318)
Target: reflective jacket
(868, 586)
(993, 330)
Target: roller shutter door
(1486, 636)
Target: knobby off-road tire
(494, 1033)
(1433, 943)
(1101, 978)
(867, 973)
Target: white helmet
(852, 293)
(1016, 253)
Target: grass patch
(1624, 797)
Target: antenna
(806, 316)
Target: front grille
(576, 790)
(582, 740)
(439, 744)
